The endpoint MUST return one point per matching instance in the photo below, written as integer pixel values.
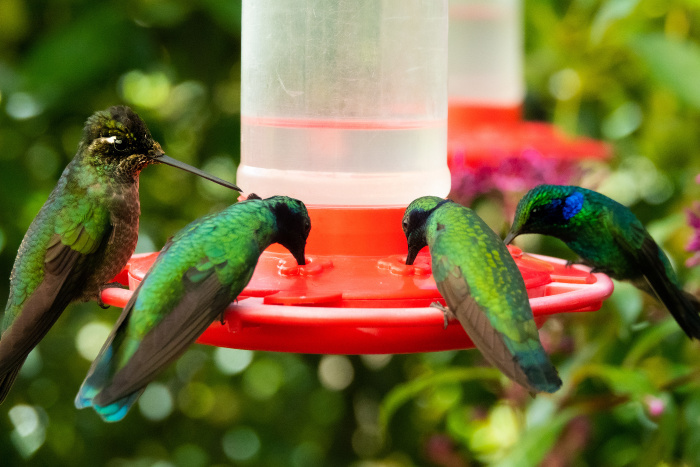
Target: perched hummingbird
(83, 235)
(609, 238)
(483, 288)
(195, 277)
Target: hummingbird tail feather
(94, 384)
(530, 368)
(537, 367)
(117, 410)
(95, 379)
(7, 380)
(691, 314)
(683, 306)
(660, 281)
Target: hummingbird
(197, 274)
(83, 235)
(609, 238)
(483, 288)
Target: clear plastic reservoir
(485, 53)
(344, 102)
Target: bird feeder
(344, 106)
(488, 140)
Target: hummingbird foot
(446, 312)
(570, 263)
(235, 300)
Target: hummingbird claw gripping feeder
(344, 106)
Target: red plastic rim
(288, 308)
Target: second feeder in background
(344, 102)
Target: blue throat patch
(572, 205)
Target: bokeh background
(624, 71)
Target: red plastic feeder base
(356, 295)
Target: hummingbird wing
(71, 249)
(476, 291)
(659, 279)
(203, 301)
(127, 363)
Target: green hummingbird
(195, 277)
(83, 235)
(483, 288)
(610, 239)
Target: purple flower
(515, 174)
(693, 216)
(510, 158)
(694, 244)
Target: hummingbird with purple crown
(83, 235)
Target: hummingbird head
(293, 225)
(118, 141)
(414, 223)
(547, 209)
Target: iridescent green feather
(196, 276)
(207, 244)
(79, 224)
(483, 288)
(608, 237)
(493, 277)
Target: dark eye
(405, 225)
(120, 145)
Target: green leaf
(662, 442)
(608, 13)
(226, 13)
(690, 434)
(404, 392)
(673, 64)
(99, 42)
(651, 339)
(537, 442)
(622, 381)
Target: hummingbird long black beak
(299, 255)
(509, 238)
(163, 159)
(412, 253)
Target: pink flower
(655, 406)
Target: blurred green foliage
(626, 71)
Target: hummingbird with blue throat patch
(483, 288)
(608, 237)
(83, 235)
(198, 273)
